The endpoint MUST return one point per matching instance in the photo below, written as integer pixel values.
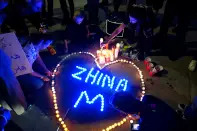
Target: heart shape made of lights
(80, 77)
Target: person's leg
(30, 83)
(105, 2)
(93, 8)
(44, 9)
(72, 8)
(131, 2)
(16, 21)
(167, 19)
(50, 9)
(35, 19)
(65, 11)
(117, 4)
(183, 21)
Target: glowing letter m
(84, 93)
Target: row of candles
(106, 55)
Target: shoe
(156, 70)
(182, 106)
(192, 65)
(180, 113)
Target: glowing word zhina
(84, 93)
(96, 77)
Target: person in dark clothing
(77, 32)
(67, 18)
(142, 24)
(17, 11)
(104, 2)
(93, 8)
(182, 10)
(117, 4)
(154, 114)
(11, 16)
(10, 89)
(50, 10)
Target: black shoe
(180, 113)
(175, 54)
(182, 106)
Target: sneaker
(182, 106)
(192, 65)
(180, 113)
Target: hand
(42, 30)
(45, 79)
(48, 73)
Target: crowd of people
(138, 22)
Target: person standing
(35, 80)
(67, 18)
(49, 14)
(93, 8)
(176, 8)
(141, 21)
(76, 33)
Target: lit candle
(117, 50)
(101, 41)
(111, 56)
(102, 60)
(98, 53)
(104, 52)
(107, 56)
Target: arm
(41, 63)
(44, 78)
(36, 74)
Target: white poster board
(11, 46)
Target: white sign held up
(11, 46)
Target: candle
(118, 45)
(104, 52)
(102, 60)
(113, 50)
(101, 41)
(107, 56)
(117, 50)
(98, 53)
(111, 56)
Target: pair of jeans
(30, 83)
(175, 8)
(49, 7)
(67, 15)
(93, 9)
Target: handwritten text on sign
(11, 46)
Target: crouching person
(35, 80)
